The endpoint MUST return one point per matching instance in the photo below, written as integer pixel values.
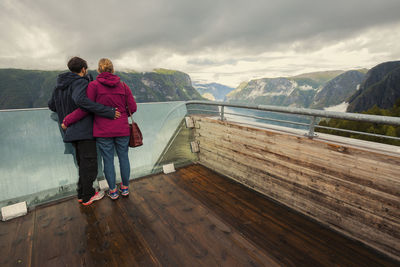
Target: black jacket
(70, 94)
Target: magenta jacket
(109, 91)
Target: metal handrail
(313, 113)
(46, 108)
(307, 111)
(253, 117)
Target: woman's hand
(117, 114)
(63, 126)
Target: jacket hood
(65, 79)
(108, 79)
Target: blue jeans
(107, 145)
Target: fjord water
(234, 114)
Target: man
(68, 95)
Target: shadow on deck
(193, 217)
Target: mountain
(381, 87)
(160, 85)
(320, 77)
(25, 88)
(297, 91)
(212, 91)
(339, 89)
(33, 88)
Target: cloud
(194, 36)
(210, 62)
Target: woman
(110, 134)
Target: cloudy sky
(225, 41)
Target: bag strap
(126, 101)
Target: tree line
(367, 127)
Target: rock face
(298, 91)
(161, 85)
(217, 90)
(339, 89)
(30, 88)
(321, 90)
(381, 87)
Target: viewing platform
(194, 217)
(245, 193)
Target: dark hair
(76, 64)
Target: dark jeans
(86, 157)
(107, 146)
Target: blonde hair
(105, 65)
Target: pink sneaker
(96, 196)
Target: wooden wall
(352, 190)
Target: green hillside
(367, 127)
(25, 88)
(320, 77)
(32, 88)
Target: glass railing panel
(37, 167)
(158, 123)
(178, 150)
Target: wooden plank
(364, 198)
(297, 199)
(16, 241)
(159, 238)
(286, 218)
(170, 235)
(86, 236)
(209, 230)
(127, 245)
(314, 149)
(342, 168)
(54, 223)
(250, 211)
(277, 166)
(334, 221)
(336, 168)
(274, 244)
(370, 149)
(162, 239)
(293, 141)
(193, 217)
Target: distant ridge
(338, 89)
(214, 91)
(296, 91)
(32, 88)
(320, 76)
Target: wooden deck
(193, 217)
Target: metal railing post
(222, 113)
(311, 133)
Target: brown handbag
(135, 137)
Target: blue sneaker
(124, 190)
(113, 194)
